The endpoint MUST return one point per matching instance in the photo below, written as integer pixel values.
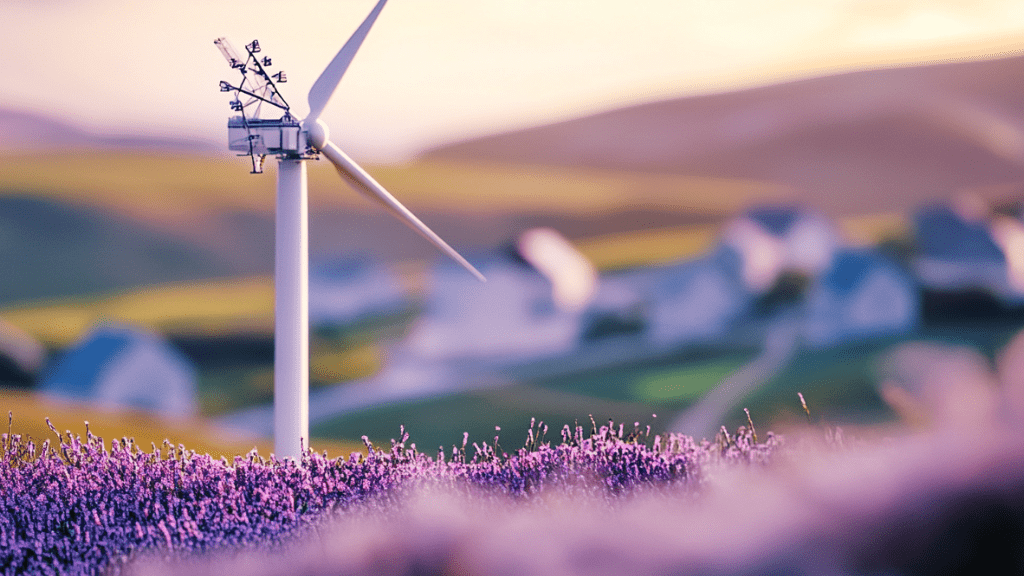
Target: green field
(230, 306)
(840, 385)
(627, 393)
(683, 383)
(442, 421)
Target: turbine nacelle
(317, 133)
(284, 137)
(263, 137)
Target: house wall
(512, 316)
(146, 376)
(704, 307)
(883, 303)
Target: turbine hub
(318, 133)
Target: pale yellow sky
(433, 71)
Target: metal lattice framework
(255, 93)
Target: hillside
(28, 130)
(108, 219)
(53, 249)
(866, 141)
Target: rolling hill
(857, 142)
(29, 130)
(52, 249)
(110, 219)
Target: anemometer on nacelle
(248, 133)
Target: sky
(435, 71)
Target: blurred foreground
(946, 499)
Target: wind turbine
(294, 142)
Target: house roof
(80, 367)
(446, 273)
(671, 279)
(777, 220)
(848, 269)
(942, 233)
(851, 267)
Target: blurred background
(683, 209)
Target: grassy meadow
(628, 393)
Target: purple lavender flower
(77, 506)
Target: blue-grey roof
(729, 261)
(777, 220)
(850, 268)
(942, 233)
(79, 368)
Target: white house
(124, 366)
(694, 301)
(520, 313)
(862, 295)
(771, 240)
(671, 305)
(345, 291)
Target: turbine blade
(328, 81)
(365, 183)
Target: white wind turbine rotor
(319, 95)
(294, 143)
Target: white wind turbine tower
(294, 142)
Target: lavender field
(79, 505)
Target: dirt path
(703, 419)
